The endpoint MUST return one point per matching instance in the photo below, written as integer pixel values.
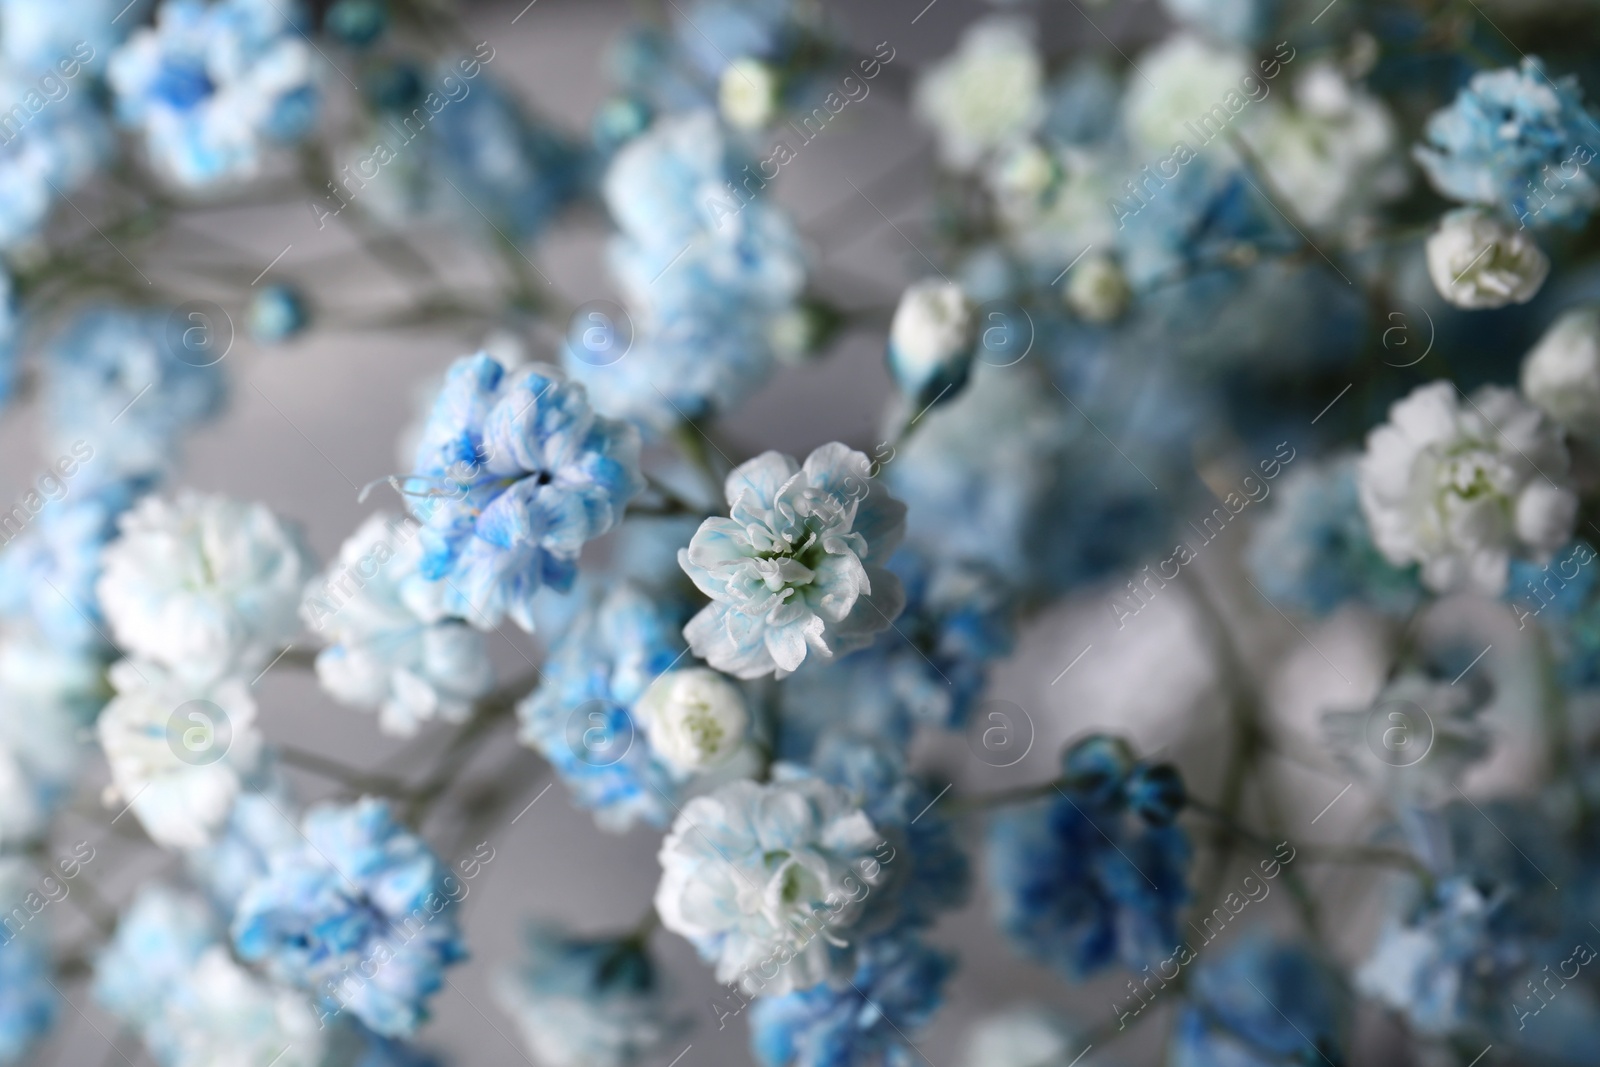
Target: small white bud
(1097, 290)
(748, 94)
(1477, 261)
(931, 337)
(695, 718)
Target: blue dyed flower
(361, 912)
(1518, 141)
(50, 149)
(797, 566)
(580, 717)
(256, 830)
(158, 940)
(115, 381)
(1078, 882)
(48, 572)
(1265, 1004)
(28, 1003)
(864, 1022)
(766, 879)
(211, 86)
(517, 473)
(1312, 549)
(507, 165)
(61, 36)
(585, 1002)
(48, 694)
(709, 268)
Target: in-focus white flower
(203, 585)
(695, 719)
(764, 878)
(1185, 78)
(1478, 261)
(1097, 290)
(798, 566)
(1562, 372)
(748, 93)
(389, 646)
(987, 94)
(931, 340)
(1460, 488)
(1334, 153)
(178, 752)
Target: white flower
(695, 719)
(1461, 489)
(389, 648)
(1477, 261)
(203, 585)
(222, 1015)
(748, 94)
(931, 338)
(177, 751)
(986, 94)
(1185, 78)
(1562, 372)
(1097, 289)
(762, 877)
(1335, 153)
(46, 693)
(1020, 1037)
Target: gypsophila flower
(115, 381)
(69, 36)
(360, 912)
(1516, 141)
(388, 646)
(1461, 488)
(865, 1022)
(49, 154)
(47, 695)
(748, 94)
(797, 566)
(1184, 76)
(1020, 1037)
(580, 717)
(1097, 290)
(28, 1003)
(987, 93)
(179, 752)
(212, 86)
(585, 1002)
(1264, 1004)
(158, 939)
(204, 586)
(755, 874)
(1477, 261)
(516, 473)
(221, 1012)
(259, 826)
(1561, 374)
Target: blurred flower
(1097, 290)
(580, 717)
(49, 152)
(1477, 261)
(931, 341)
(1312, 550)
(115, 380)
(761, 877)
(863, 1022)
(797, 565)
(211, 85)
(28, 1001)
(388, 646)
(1183, 77)
(585, 1002)
(63, 35)
(695, 718)
(1244, 21)
(748, 94)
(179, 752)
(221, 1012)
(517, 472)
(1561, 374)
(361, 912)
(1264, 1004)
(1078, 882)
(709, 267)
(259, 826)
(1514, 140)
(985, 94)
(205, 586)
(1019, 1037)
(1461, 490)
(158, 940)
